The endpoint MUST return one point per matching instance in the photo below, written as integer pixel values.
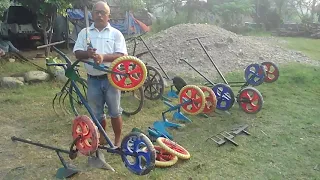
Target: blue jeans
(101, 92)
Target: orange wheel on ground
(211, 100)
(89, 135)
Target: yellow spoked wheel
(197, 97)
(133, 67)
(164, 158)
(211, 100)
(173, 148)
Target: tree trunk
(313, 9)
(52, 23)
(45, 38)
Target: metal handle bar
(104, 68)
(51, 44)
(100, 67)
(196, 38)
(59, 64)
(13, 138)
(56, 64)
(214, 64)
(212, 83)
(135, 37)
(57, 50)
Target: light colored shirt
(108, 41)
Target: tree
(231, 11)
(46, 11)
(4, 4)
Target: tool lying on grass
(224, 137)
(67, 170)
(192, 100)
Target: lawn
(284, 141)
(308, 46)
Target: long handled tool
(214, 64)
(67, 170)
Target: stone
(36, 76)
(10, 82)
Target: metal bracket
(225, 136)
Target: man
(108, 44)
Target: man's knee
(115, 111)
(113, 99)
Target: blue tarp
(127, 26)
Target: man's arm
(85, 55)
(80, 48)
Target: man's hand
(91, 52)
(98, 58)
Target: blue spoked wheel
(225, 96)
(254, 74)
(135, 156)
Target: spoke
(133, 80)
(193, 93)
(255, 97)
(122, 81)
(126, 65)
(194, 106)
(198, 100)
(135, 70)
(185, 95)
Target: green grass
(284, 141)
(310, 47)
(307, 46)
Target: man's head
(100, 14)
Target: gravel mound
(229, 51)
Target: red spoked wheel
(89, 135)
(164, 158)
(173, 148)
(250, 100)
(211, 100)
(272, 72)
(136, 70)
(195, 94)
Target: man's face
(100, 15)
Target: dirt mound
(228, 50)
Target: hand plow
(67, 170)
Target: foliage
(4, 4)
(231, 12)
(46, 7)
(132, 5)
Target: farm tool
(255, 74)
(68, 170)
(155, 82)
(224, 136)
(67, 91)
(249, 98)
(86, 131)
(193, 101)
(167, 151)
